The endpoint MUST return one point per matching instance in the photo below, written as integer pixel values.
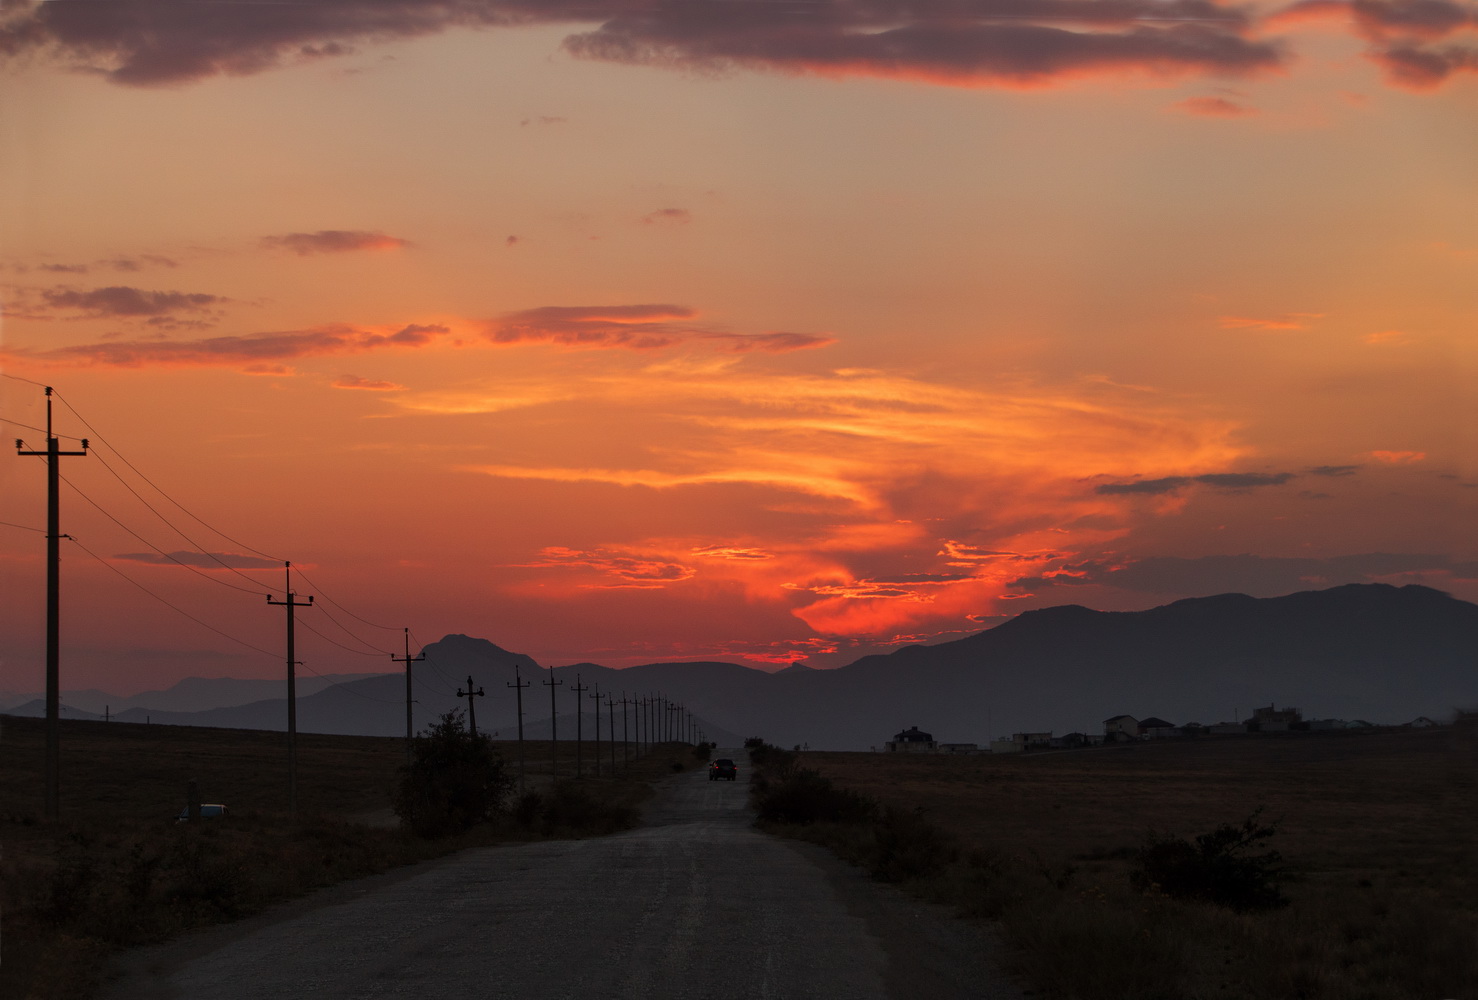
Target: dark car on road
(723, 768)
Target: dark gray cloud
(259, 351)
(334, 241)
(122, 301)
(1260, 576)
(1334, 471)
(645, 327)
(1221, 480)
(1001, 42)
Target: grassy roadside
(117, 871)
(1376, 833)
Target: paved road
(696, 905)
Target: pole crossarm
(470, 694)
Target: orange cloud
(373, 385)
(913, 502)
(1289, 321)
(667, 216)
(1399, 457)
(1386, 337)
(1213, 107)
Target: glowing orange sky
(675, 331)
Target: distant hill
(1371, 651)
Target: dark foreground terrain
(1378, 832)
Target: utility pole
(596, 696)
(292, 690)
(551, 683)
(578, 690)
(518, 685)
(408, 659)
(470, 694)
(625, 734)
(53, 454)
(611, 718)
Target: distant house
(1033, 741)
(1157, 729)
(959, 748)
(1422, 722)
(1120, 727)
(1007, 746)
(1072, 741)
(1274, 720)
(913, 740)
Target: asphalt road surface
(695, 905)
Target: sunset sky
(749, 330)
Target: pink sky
(725, 331)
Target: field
(117, 870)
(1377, 829)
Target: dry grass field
(117, 870)
(1379, 832)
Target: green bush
(570, 808)
(909, 846)
(1218, 868)
(804, 796)
(454, 780)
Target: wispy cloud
(1288, 321)
(333, 241)
(1220, 480)
(644, 327)
(667, 216)
(1213, 107)
(252, 349)
(371, 384)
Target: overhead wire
(167, 603)
(123, 458)
(319, 591)
(196, 545)
(156, 548)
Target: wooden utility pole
(625, 734)
(53, 759)
(292, 690)
(578, 689)
(596, 696)
(551, 683)
(518, 685)
(470, 694)
(611, 718)
(408, 659)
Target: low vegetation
(1338, 868)
(117, 870)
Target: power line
(23, 527)
(375, 650)
(334, 642)
(156, 548)
(166, 603)
(123, 458)
(40, 430)
(388, 628)
(197, 546)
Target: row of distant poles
(655, 718)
